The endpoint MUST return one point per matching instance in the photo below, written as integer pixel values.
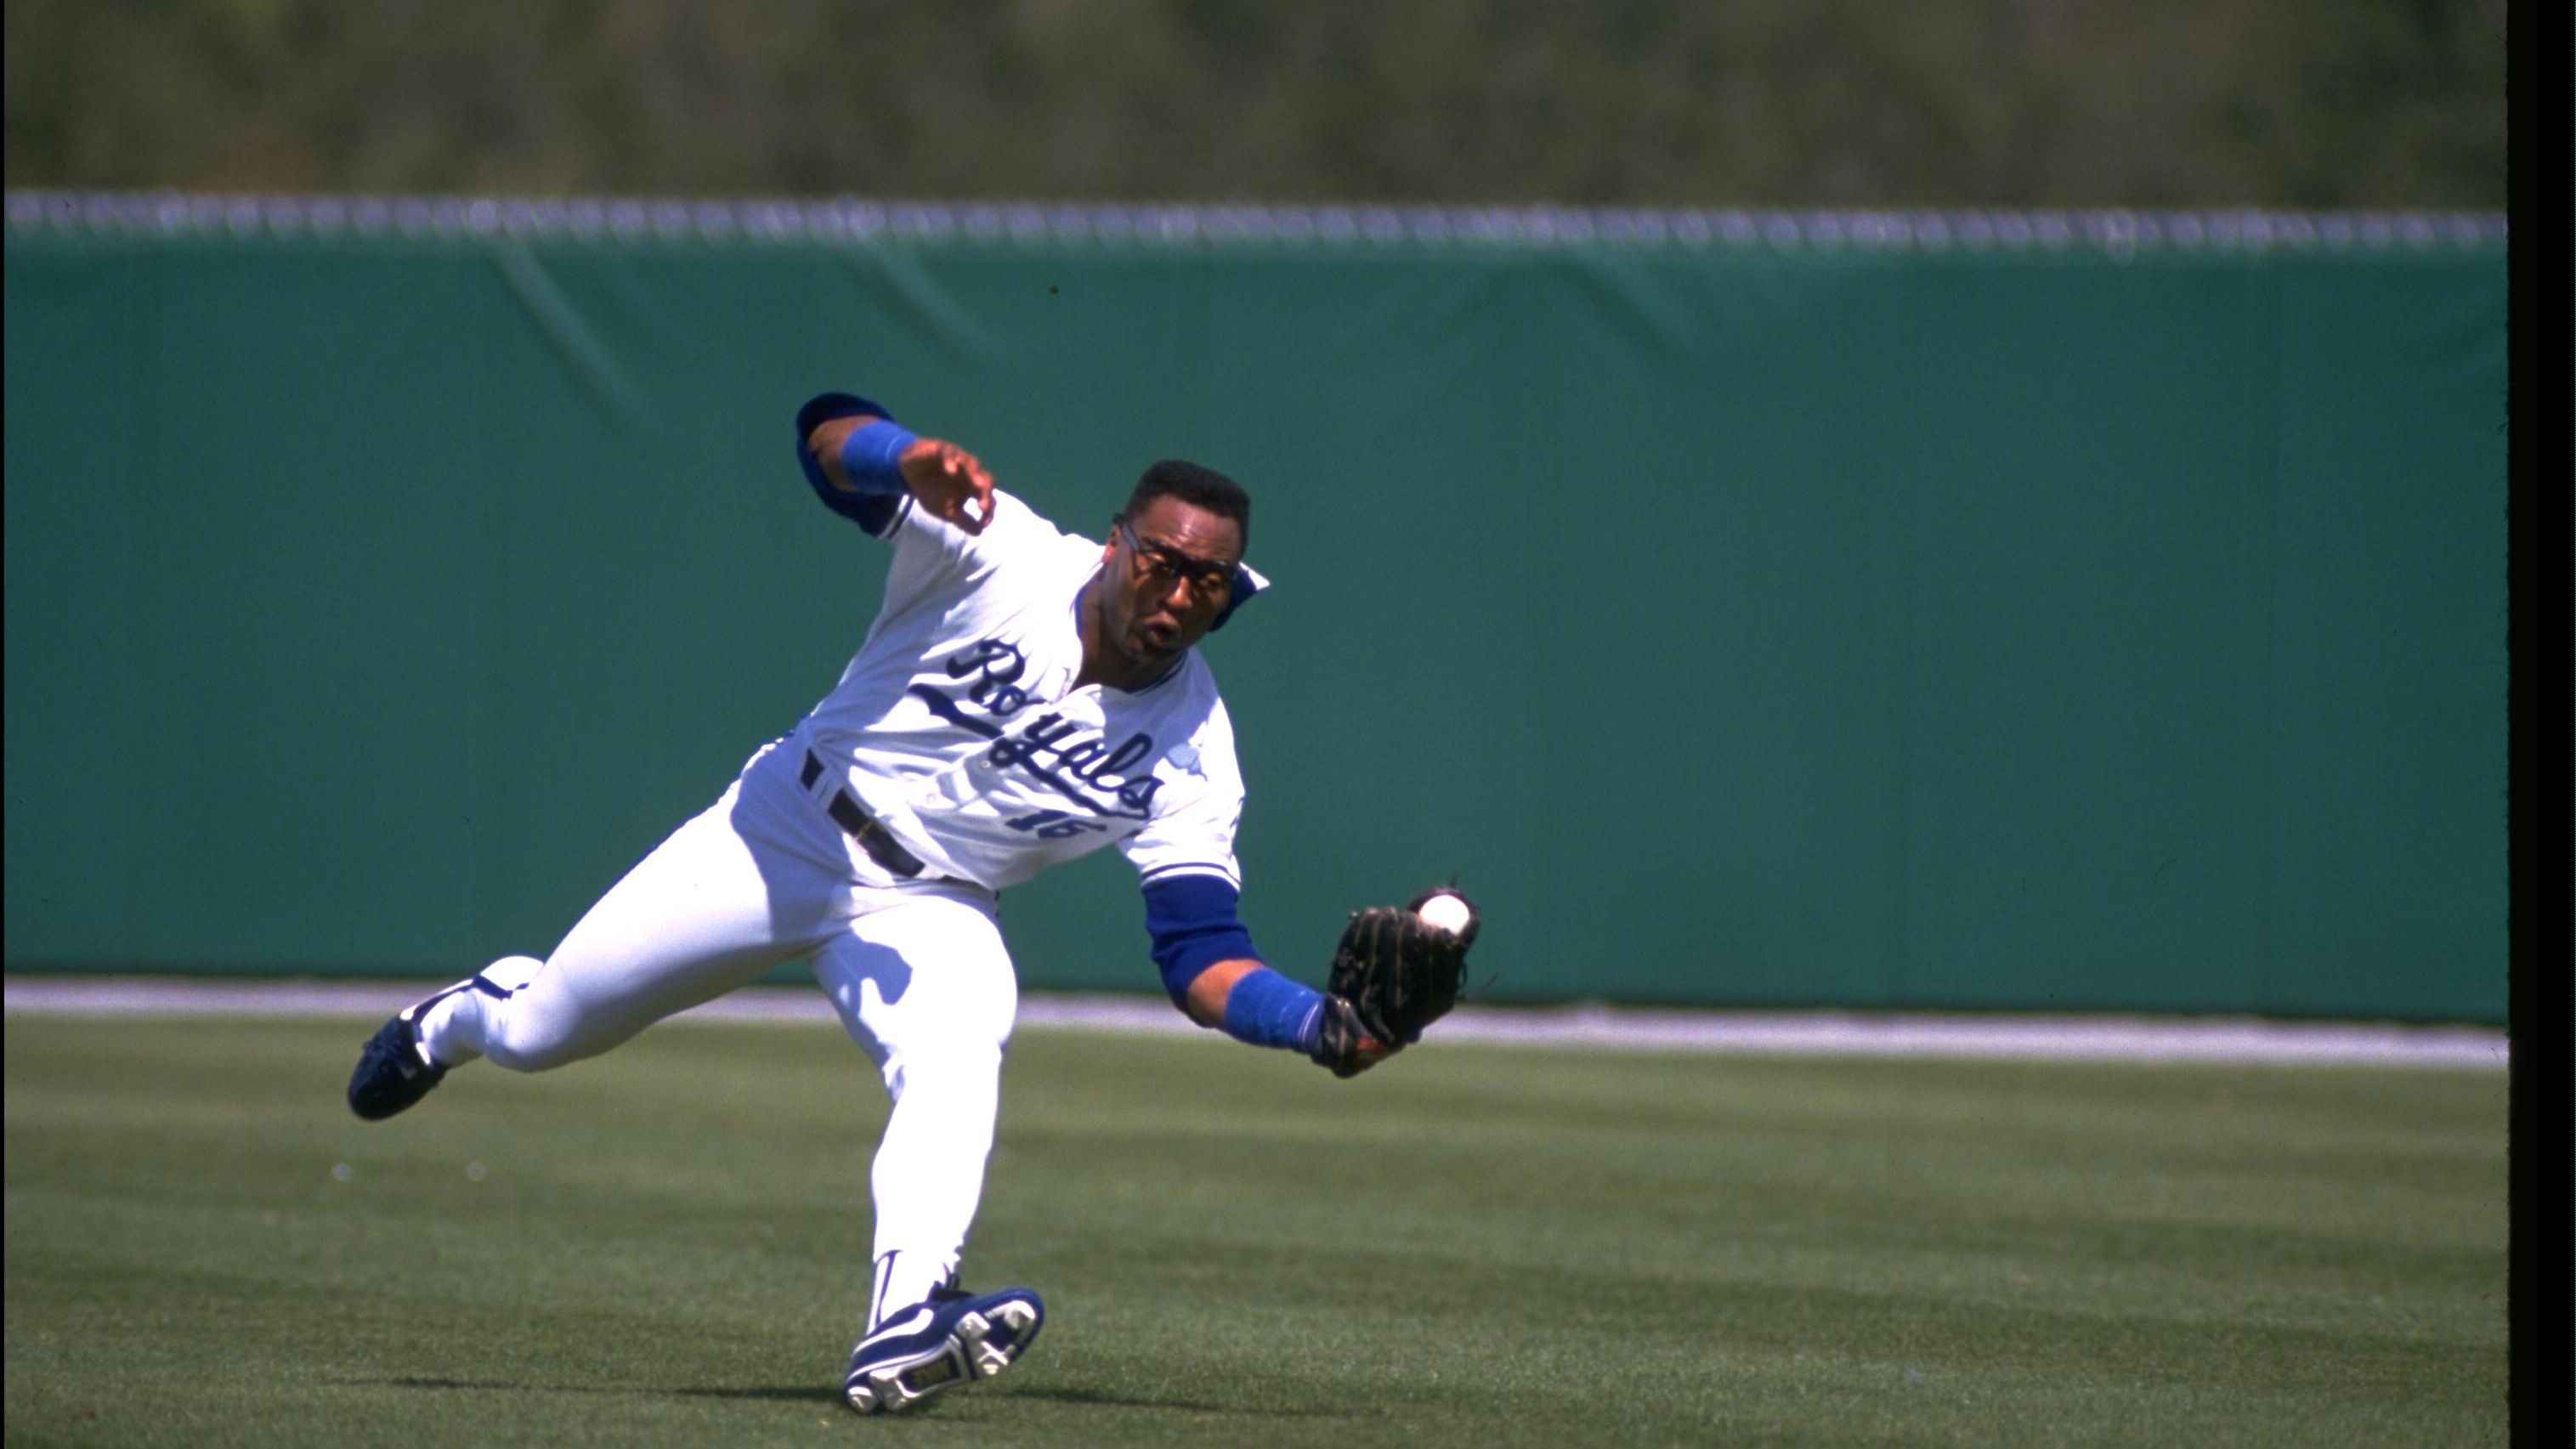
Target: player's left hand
(1344, 1044)
(1393, 974)
(947, 480)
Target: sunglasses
(1162, 565)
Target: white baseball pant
(917, 971)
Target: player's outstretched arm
(862, 454)
(1331, 1034)
(1205, 1000)
(1394, 972)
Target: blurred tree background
(2307, 104)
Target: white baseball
(1445, 913)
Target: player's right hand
(947, 479)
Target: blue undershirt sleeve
(1192, 921)
(875, 513)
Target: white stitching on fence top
(845, 221)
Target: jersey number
(1054, 824)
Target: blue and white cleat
(951, 1338)
(392, 1071)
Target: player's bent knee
(964, 1069)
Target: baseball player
(1025, 696)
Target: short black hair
(1200, 487)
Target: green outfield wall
(2035, 614)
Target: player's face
(1169, 571)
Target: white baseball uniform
(954, 758)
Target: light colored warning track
(2055, 1038)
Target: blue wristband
(1267, 1009)
(871, 455)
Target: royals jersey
(958, 727)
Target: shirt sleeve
(933, 558)
(936, 562)
(1197, 808)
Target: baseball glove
(1393, 974)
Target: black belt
(872, 837)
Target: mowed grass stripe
(1472, 1246)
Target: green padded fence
(1879, 612)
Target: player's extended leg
(707, 911)
(693, 920)
(926, 989)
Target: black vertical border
(2541, 533)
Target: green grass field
(1474, 1246)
